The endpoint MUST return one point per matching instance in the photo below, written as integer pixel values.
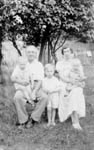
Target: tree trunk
(41, 52)
(44, 42)
(49, 53)
(15, 45)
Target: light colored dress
(75, 101)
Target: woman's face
(67, 53)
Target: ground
(60, 137)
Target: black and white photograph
(46, 74)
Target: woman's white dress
(75, 101)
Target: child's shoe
(53, 123)
(48, 124)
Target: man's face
(31, 53)
(67, 53)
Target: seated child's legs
(24, 91)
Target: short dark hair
(62, 51)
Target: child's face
(22, 65)
(49, 72)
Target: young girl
(51, 86)
(22, 76)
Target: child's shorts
(53, 100)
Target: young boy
(50, 85)
(25, 83)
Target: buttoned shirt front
(35, 70)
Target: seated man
(35, 71)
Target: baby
(76, 78)
(23, 77)
(50, 85)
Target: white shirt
(35, 70)
(50, 84)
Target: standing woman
(74, 104)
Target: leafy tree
(1, 32)
(48, 23)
